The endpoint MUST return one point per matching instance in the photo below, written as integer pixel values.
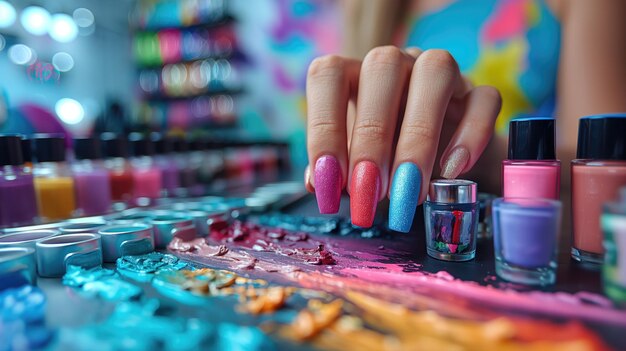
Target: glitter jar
(451, 215)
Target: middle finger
(383, 79)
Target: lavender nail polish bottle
(525, 239)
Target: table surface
(571, 277)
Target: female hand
(381, 118)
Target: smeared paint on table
(382, 269)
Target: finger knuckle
(491, 93)
(384, 56)
(323, 128)
(370, 130)
(324, 66)
(437, 60)
(418, 132)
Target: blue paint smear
(101, 283)
(22, 319)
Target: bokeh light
(149, 81)
(69, 111)
(63, 61)
(35, 20)
(7, 14)
(83, 17)
(21, 54)
(62, 28)
(3, 42)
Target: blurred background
(219, 68)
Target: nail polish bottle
(185, 175)
(614, 268)
(54, 184)
(195, 158)
(451, 215)
(27, 154)
(18, 205)
(598, 172)
(165, 161)
(531, 170)
(93, 186)
(525, 237)
(147, 182)
(115, 150)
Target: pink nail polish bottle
(532, 170)
(598, 172)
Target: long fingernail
(456, 162)
(404, 195)
(307, 179)
(364, 192)
(328, 184)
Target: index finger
(329, 82)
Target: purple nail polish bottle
(91, 179)
(525, 233)
(18, 204)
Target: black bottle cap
(180, 145)
(49, 147)
(162, 143)
(11, 150)
(531, 139)
(602, 137)
(197, 144)
(27, 149)
(140, 145)
(87, 149)
(114, 145)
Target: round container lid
(140, 145)
(49, 147)
(114, 145)
(531, 139)
(87, 149)
(11, 150)
(602, 137)
(452, 191)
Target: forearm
(592, 73)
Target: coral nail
(403, 197)
(364, 193)
(328, 181)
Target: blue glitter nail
(404, 195)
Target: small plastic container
(451, 214)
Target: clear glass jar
(451, 217)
